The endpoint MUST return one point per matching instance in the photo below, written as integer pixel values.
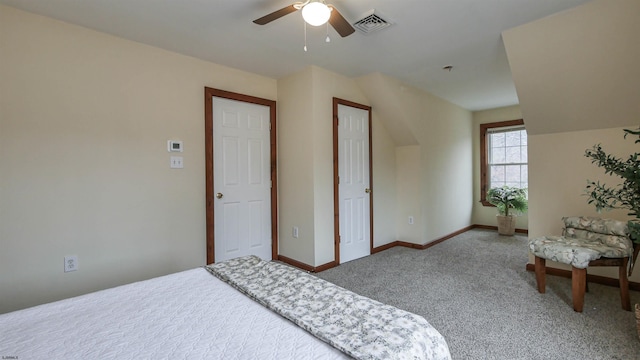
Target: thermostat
(174, 146)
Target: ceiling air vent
(371, 22)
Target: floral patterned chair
(587, 241)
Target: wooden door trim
(336, 192)
(209, 93)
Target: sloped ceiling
(424, 37)
(383, 92)
(579, 69)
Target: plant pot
(506, 224)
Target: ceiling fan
(314, 12)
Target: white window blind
(507, 154)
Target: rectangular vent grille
(371, 22)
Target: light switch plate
(176, 162)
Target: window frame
(484, 154)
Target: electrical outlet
(70, 263)
(294, 232)
(410, 220)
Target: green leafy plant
(622, 196)
(507, 198)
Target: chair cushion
(596, 225)
(577, 252)
(610, 232)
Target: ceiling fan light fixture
(316, 13)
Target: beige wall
(84, 123)
(435, 160)
(578, 69)
(385, 191)
(431, 181)
(306, 165)
(326, 85)
(409, 192)
(295, 167)
(485, 215)
(447, 167)
(558, 173)
(577, 77)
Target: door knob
(367, 190)
(219, 195)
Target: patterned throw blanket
(360, 327)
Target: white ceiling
(426, 35)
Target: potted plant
(509, 201)
(622, 196)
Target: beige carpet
(475, 290)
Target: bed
(244, 308)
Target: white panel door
(353, 172)
(241, 179)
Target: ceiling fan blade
(276, 15)
(339, 23)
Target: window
(503, 156)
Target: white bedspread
(187, 315)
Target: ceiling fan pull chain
(305, 35)
(328, 39)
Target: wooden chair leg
(624, 285)
(578, 284)
(586, 280)
(540, 274)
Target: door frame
(336, 183)
(209, 93)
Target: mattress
(187, 315)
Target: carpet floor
(475, 290)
